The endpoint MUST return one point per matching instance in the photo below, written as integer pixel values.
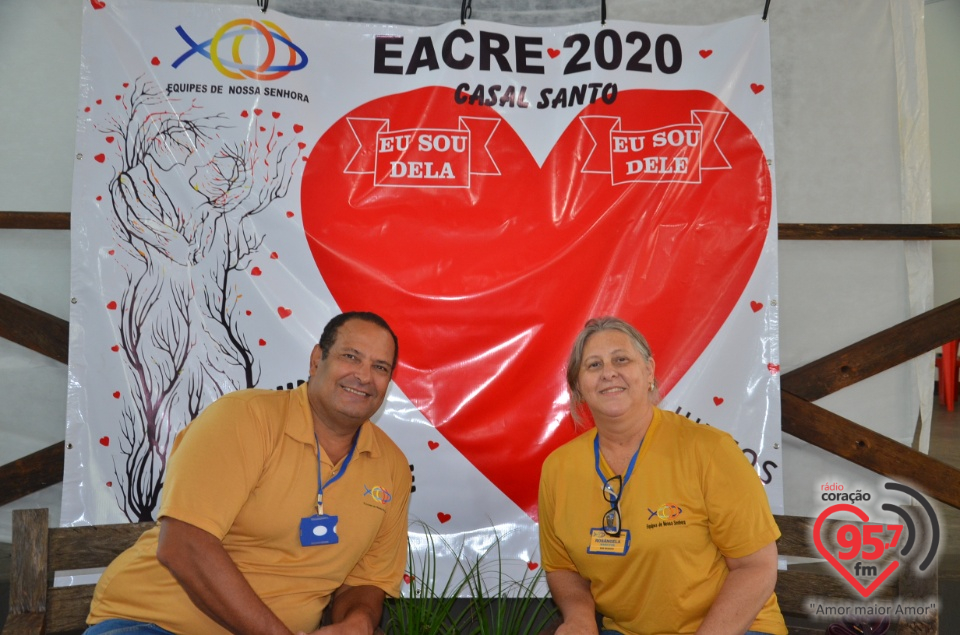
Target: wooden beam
(875, 354)
(866, 231)
(824, 429)
(31, 473)
(41, 332)
(34, 220)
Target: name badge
(604, 544)
(318, 530)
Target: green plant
(495, 604)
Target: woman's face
(614, 378)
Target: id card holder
(318, 530)
(604, 544)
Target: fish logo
(378, 494)
(667, 511)
(267, 38)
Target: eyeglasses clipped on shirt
(611, 518)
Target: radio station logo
(247, 49)
(864, 552)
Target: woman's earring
(651, 387)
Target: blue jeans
(126, 627)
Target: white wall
(942, 26)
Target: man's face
(347, 387)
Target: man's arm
(571, 594)
(213, 582)
(356, 610)
(750, 583)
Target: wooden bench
(38, 607)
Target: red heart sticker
(258, 111)
(97, 4)
(262, 342)
(244, 114)
(773, 368)
(553, 53)
(105, 441)
(532, 566)
(705, 53)
(115, 348)
(100, 158)
(275, 114)
(407, 578)
(109, 483)
(255, 271)
(442, 517)
(297, 128)
(284, 312)
(116, 394)
(717, 401)
(433, 445)
(112, 305)
(155, 61)
(488, 279)
(756, 306)
(865, 591)
(757, 88)
(289, 214)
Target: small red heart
(244, 114)
(757, 88)
(97, 4)
(301, 145)
(717, 401)
(865, 591)
(532, 566)
(109, 483)
(111, 252)
(105, 441)
(773, 368)
(275, 114)
(87, 109)
(155, 61)
(433, 445)
(248, 312)
(255, 271)
(100, 158)
(126, 84)
(109, 139)
(262, 129)
(443, 517)
(407, 578)
(705, 53)
(263, 342)
(297, 128)
(289, 214)
(284, 312)
(756, 306)
(118, 97)
(274, 255)
(553, 53)
(115, 348)
(258, 111)
(279, 133)
(100, 198)
(112, 305)
(99, 101)
(116, 394)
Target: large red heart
(487, 284)
(865, 591)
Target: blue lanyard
(626, 477)
(343, 468)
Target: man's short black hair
(329, 335)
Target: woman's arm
(571, 594)
(744, 592)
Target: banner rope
(466, 11)
(766, 9)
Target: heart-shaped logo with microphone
(858, 545)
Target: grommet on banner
(466, 11)
(263, 5)
(766, 9)
(603, 12)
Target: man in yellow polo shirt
(276, 503)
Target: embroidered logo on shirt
(664, 516)
(378, 494)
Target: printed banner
(242, 177)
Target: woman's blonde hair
(578, 406)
